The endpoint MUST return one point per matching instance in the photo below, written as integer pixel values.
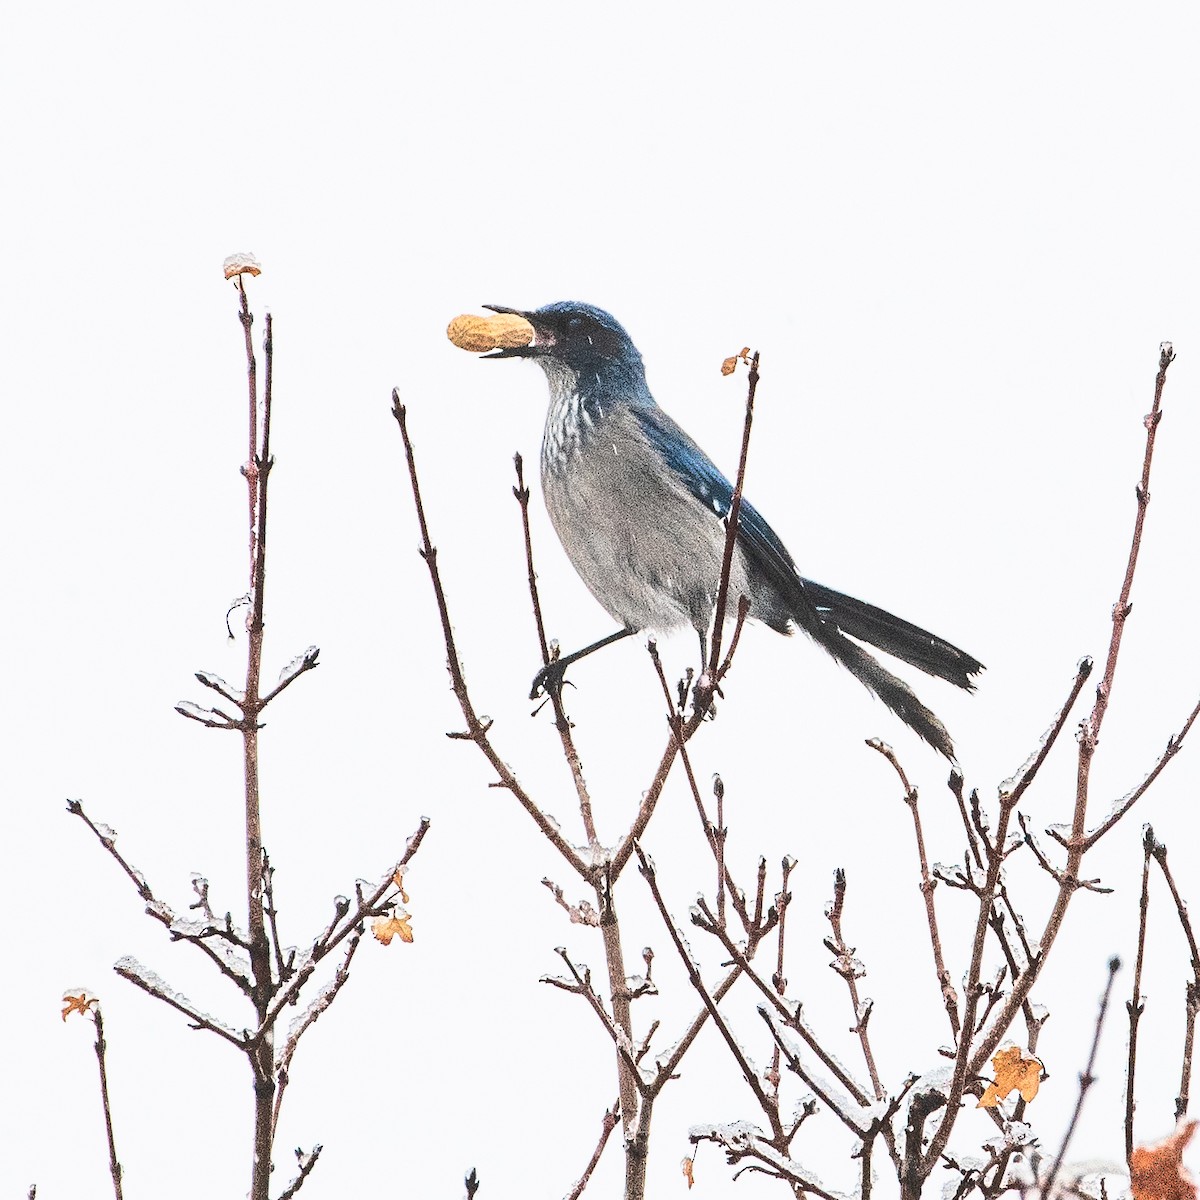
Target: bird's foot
(549, 681)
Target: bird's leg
(550, 678)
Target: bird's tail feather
(905, 641)
(894, 692)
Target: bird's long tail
(903, 640)
(894, 692)
(832, 619)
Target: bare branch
(149, 982)
(476, 730)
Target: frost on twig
(129, 968)
(745, 1142)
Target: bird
(641, 512)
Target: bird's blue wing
(701, 477)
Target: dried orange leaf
(1156, 1172)
(501, 331)
(1014, 1073)
(78, 1000)
(397, 925)
(242, 264)
(730, 364)
(686, 1167)
(398, 880)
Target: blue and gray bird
(640, 510)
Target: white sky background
(957, 242)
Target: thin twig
(789, 1014)
(1135, 1005)
(735, 506)
(607, 1125)
(915, 1173)
(477, 731)
(778, 979)
(272, 914)
(327, 995)
(1024, 776)
(1192, 993)
(928, 883)
(769, 1106)
(1086, 1079)
(561, 722)
(307, 1162)
(997, 918)
(846, 965)
(129, 969)
(714, 832)
(718, 842)
(114, 1165)
(1174, 744)
(818, 1088)
(1191, 1009)
(233, 966)
(741, 1142)
(521, 493)
(1159, 853)
(582, 986)
(300, 665)
(345, 921)
(1122, 607)
(108, 841)
(681, 734)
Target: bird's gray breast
(647, 550)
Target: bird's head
(580, 337)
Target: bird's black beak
(541, 336)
